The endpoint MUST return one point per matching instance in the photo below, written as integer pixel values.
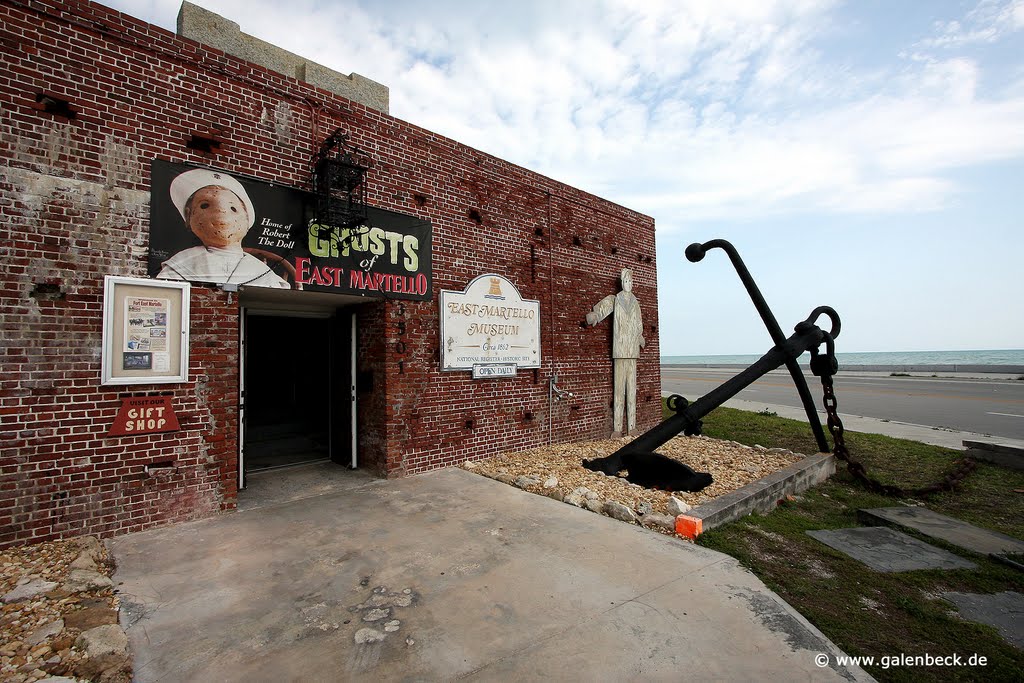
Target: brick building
(100, 111)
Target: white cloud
(844, 129)
(989, 21)
(683, 110)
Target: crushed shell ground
(57, 655)
(732, 465)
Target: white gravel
(731, 464)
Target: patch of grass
(866, 612)
(986, 497)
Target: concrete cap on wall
(209, 28)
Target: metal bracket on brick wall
(339, 185)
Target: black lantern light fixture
(339, 185)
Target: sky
(866, 155)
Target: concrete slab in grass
(1002, 611)
(944, 528)
(996, 453)
(758, 496)
(887, 550)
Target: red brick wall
(74, 201)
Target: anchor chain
(856, 468)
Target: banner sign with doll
(212, 226)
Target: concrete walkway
(448, 576)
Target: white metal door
(241, 399)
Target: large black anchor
(651, 469)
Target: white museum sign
(489, 323)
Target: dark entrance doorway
(296, 403)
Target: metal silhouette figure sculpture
(627, 340)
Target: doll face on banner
(217, 216)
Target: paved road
(994, 407)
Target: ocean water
(985, 357)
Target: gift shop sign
(144, 415)
(489, 323)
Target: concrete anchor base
(761, 496)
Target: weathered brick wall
(60, 474)
(74, 197)
(431, 419)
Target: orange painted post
(690, 527)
